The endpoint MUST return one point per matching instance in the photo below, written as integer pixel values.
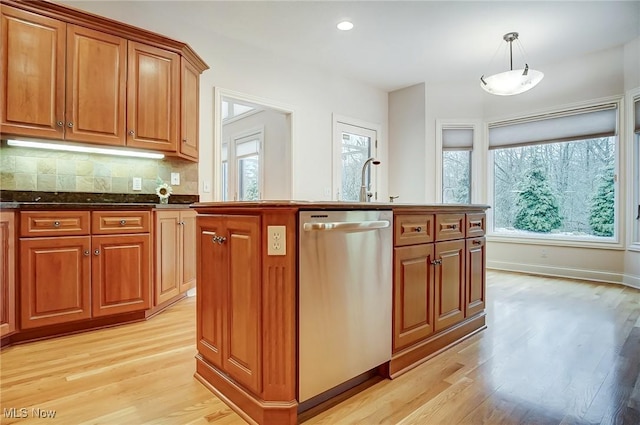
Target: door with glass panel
(242, 168)
(354, 145)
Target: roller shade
(457, 139)
(636, 105)
(576, 124)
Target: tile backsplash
(44, 170)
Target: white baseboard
(592, 275)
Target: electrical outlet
(136, 183)
(175, 179)
(277, 240)
(205, 187)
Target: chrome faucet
(365, 195)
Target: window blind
(457, 139)
(576, 124)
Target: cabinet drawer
(413, 229)
(475, 225)
(54, 223)
(450, 226)
(112, 222)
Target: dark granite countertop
(83, 200)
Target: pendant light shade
(514, 81)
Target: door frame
(218, 94)
(336, 148)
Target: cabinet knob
(184, 140)
(60, 124)
(436, 262)
(56, 224)
(96, 252)
(418, 229)
(123, 222)
(131, 132)
(86, 252)
(70, 124)
(218, 239)
(477, 242)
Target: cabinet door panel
(476, 277)
(190, 110)
(55, 280)
(153, 98)
(188, 269)
(168, 243)
(96, 86)
(210, 289)
(33, 70)
(120, 273)
(243, 336)
(449, 283)
(7, 274)
(412, 295)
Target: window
(636, 167)
(457, 145)
(356, 145)
(241, 167)
(555, 175)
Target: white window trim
(633, 172)
(478, 158)
(378, 151)
(615, 243)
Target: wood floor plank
(556, 351)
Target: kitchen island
(249, 299)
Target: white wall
(313, 94)
(408, 158)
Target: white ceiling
(399, 43)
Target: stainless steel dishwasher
(345, 296)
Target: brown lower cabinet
(7, 273)
(68, 278)
(175, 253)
(229, 305)
(439, 284)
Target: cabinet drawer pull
(418, 229)
(184, 140)
(477, 242)
(96, 252)
(451, 226)
(56, 224)
(123, 222)
(436, 262)
(86, 252)
(476, 224)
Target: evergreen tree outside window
(558, 179)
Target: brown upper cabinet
(74, 76)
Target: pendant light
(514, 81)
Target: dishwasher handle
(347, 225)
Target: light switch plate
(175, 179)
(136, 183)
(277, 240)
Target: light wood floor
(555, 352)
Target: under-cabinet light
(85, 149)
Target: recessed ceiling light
(345, 26)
